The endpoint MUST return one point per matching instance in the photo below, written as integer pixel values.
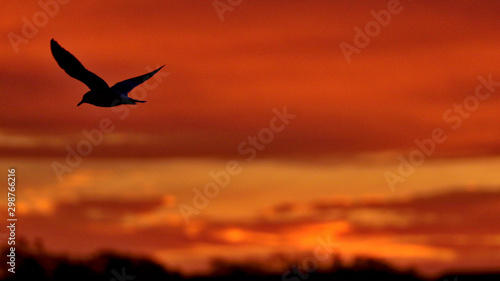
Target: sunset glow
(259, 136)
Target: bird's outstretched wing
(125, 86)
(75, 69)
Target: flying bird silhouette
(100, 93)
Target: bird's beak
(79, 103)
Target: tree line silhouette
(34, 263)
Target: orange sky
(323, 175)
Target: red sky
(323, 175)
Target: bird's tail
(136, 101)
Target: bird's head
(85, 98)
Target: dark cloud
(222, 89)
(458, 212)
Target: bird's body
(100, 93)
(107, 98)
